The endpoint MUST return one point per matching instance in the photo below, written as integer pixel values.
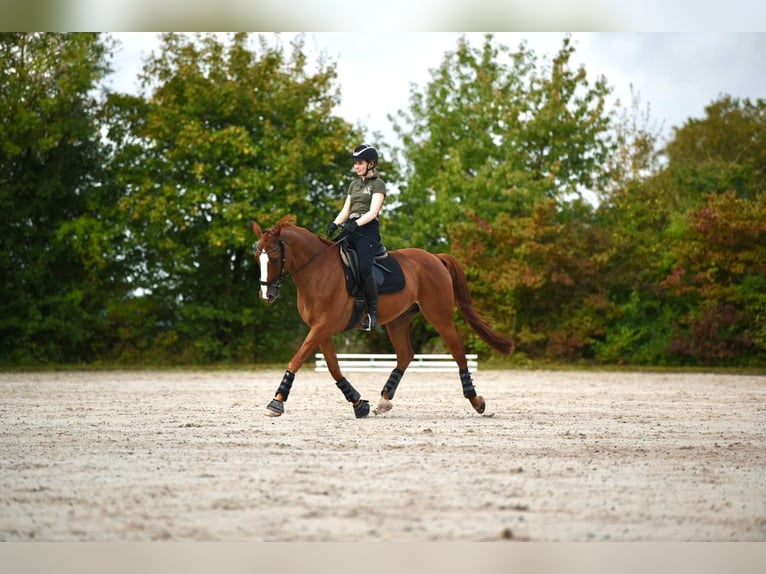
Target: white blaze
(264, 261)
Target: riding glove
(350, 226)
(331, 229)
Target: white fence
(373, 363)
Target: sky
(674, 75)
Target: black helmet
(365, 152)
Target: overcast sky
(675, 74)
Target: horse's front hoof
(362, 409)
(275, 408)
(478, 404)
(383, 406)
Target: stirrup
(367, 323)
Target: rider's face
(360, 167)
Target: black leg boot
(371, 295)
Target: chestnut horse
(433, 285)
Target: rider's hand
(350, 226)
(331, 229)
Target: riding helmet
(365, 152)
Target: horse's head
(270, 253)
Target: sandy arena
(558, 456)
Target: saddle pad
(387, 272)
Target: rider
(359, 218)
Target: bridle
(276, 283)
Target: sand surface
(558, 456)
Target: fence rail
(379, 362)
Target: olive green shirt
(361, 190)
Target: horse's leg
(399, 335)
(361, 406)
(316, 334)
(442, 318)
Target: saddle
(385, 268)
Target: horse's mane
(289, 221)
(286, 220)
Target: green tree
(660, 228)
(495, 132)
(725, 150)
(635, 216)
(52, 293)
(720, 277)
(500, 149)
(222, 135)
(715, 180)
(539, 276)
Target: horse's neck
(305, 246)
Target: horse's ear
(257, 229)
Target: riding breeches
(365, 240)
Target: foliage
(500, 148)
(52, 290)
(126, 218)
(724, 151)
(223, 136)
(496, 132)
(716, 177)
(547, 297)
(720, 276)
(661, 229)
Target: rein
(315, 256)
(282, 275)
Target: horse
(433, 285)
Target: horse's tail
(494, 339)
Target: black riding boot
(370, 321)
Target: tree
(500, 151)
(222, 135)
(669, 228)
(539, 276)
(636, 217)
(725, 150)
(720, 278)
(52, 295)
(495, 132)
(715, 179)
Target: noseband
(277, 283)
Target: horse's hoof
(478, 404)
(383, 406)
(362, 409)
(275, 408)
